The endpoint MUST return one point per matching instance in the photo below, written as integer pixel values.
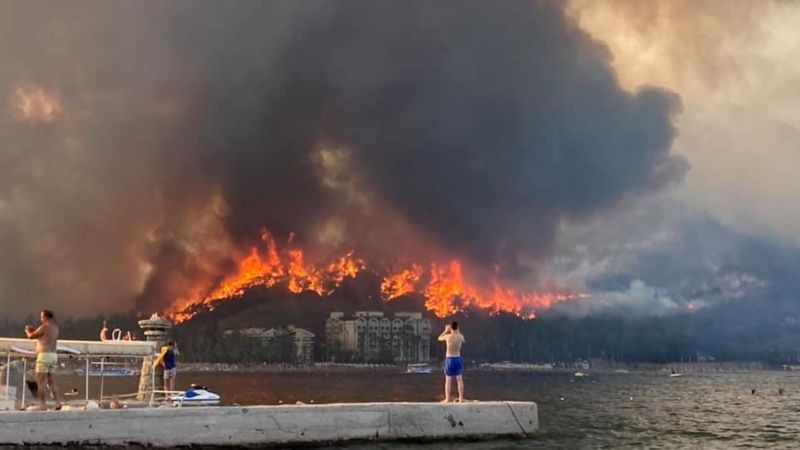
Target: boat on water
(418, 368)
(674, 374)
(112, 370)
(196, 396)
(580, 374)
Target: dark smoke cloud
(466, 128)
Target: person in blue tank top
(453, 365)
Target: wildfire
(269, 270)
(445, 287)
(447, 292)
(396, 286)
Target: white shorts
(170, 373)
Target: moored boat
(418, 368)
(112, 370)
(196, 396)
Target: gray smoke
(660, 257)
(399, 129)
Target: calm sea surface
(600, 411)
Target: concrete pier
(271, 425)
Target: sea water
(602, 410)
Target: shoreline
(620, 369)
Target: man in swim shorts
(453, 365)
(46, 357)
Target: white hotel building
(371, 336)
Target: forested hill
(739, 332)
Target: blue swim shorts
(453, 366)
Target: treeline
(733, 336)
(210, 343)
(658, 339)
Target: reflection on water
(600, 411)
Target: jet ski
(196, 396)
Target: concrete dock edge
(270, 425)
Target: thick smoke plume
(145, 145)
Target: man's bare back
(454, 340)
(453, 365)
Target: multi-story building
(302, 340)
(303, 344)
(371, 336)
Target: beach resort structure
(155, 329)
(19, 360)
(301, 340)
(371, 336)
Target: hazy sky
(639, 151)
(733, 65)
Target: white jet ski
(196, 396)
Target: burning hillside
(444, 286)
(441, 146)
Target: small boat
(112, 370)
(675, 375)
(580, 374)
(418, 368)
(196, 396)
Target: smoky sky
(662, 257)
(462, 128)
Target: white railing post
(87, 379)
(102, 376)
(152, 386)
(24, 379)
(8, 373)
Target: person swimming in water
(453, 365)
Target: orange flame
(444, 286)
(396, 286)
(255, 270)
(447, 292)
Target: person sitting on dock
(46, 358)
(169, 359)
(453, 365)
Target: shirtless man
(46, 358)
(453, 365)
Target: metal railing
(24, 355)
